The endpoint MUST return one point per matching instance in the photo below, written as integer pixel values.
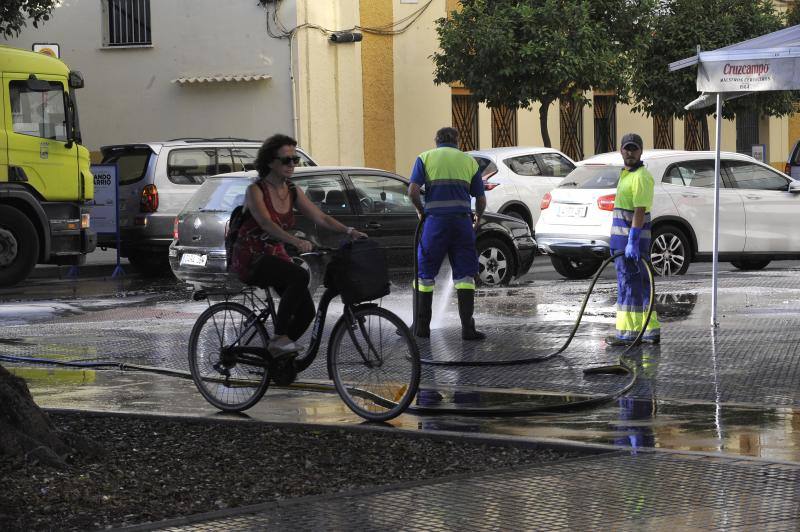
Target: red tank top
(251, 242)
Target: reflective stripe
(447, 203)
(444, 181)
(623, 214)
(425, 285)
(624, 231)
(630, 323)
(465, 283)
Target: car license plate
(193, 259)
(572, 211)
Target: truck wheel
(19, 246)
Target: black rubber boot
(466, 306)
(421, 327)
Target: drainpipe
(295, 118)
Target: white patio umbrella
(767, 63)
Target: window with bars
(465, 120)
(571, 122)
(504, 126)
(126, 23)
(663, 132)
(605, 123)
(695, 132)
(746, 130)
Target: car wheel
(751, 264)
(669, 251)
(19, 246)
(154, 264)
(495, 262)
(575, 268)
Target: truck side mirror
(75, 80)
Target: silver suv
(156, 180)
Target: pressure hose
(624, 366)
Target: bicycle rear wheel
(374, 363)
(224, 381)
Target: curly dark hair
(268, 151)
(447, 135)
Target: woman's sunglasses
(286, 160)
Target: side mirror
(37, 85)
(794, 187)
(75, 80)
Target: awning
(221, 78)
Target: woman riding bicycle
(259, 255)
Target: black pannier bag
(238, 217)
(358, 271)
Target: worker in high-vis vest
(630, 233)
(451, 178)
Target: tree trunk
(543, 110)
(27, 432)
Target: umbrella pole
(714, 262)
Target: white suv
(759, 213)
(156, 180)
(517, 178)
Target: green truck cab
(45, 180)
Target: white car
(517, 178)
(759, 213)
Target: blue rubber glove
(632, 249)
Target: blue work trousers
(451, 235)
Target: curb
(384, 428)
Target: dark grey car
(373, 201)
(156, 179)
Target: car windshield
(219, 194)
(592, 176)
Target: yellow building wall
(378, 85)
(329, 96)
(375, 103)
(421, 107)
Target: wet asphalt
(736, 391)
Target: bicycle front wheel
(374, 363)
(223, 380)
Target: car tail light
(175, 229)
(545, 201)
(149, 201)
(787, 169)
(606, 203)
(486, 184)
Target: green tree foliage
(14, 14)
(513, 53)
(677, 28)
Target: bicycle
(372, 357)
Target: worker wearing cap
(630, 233)
(451, 178)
